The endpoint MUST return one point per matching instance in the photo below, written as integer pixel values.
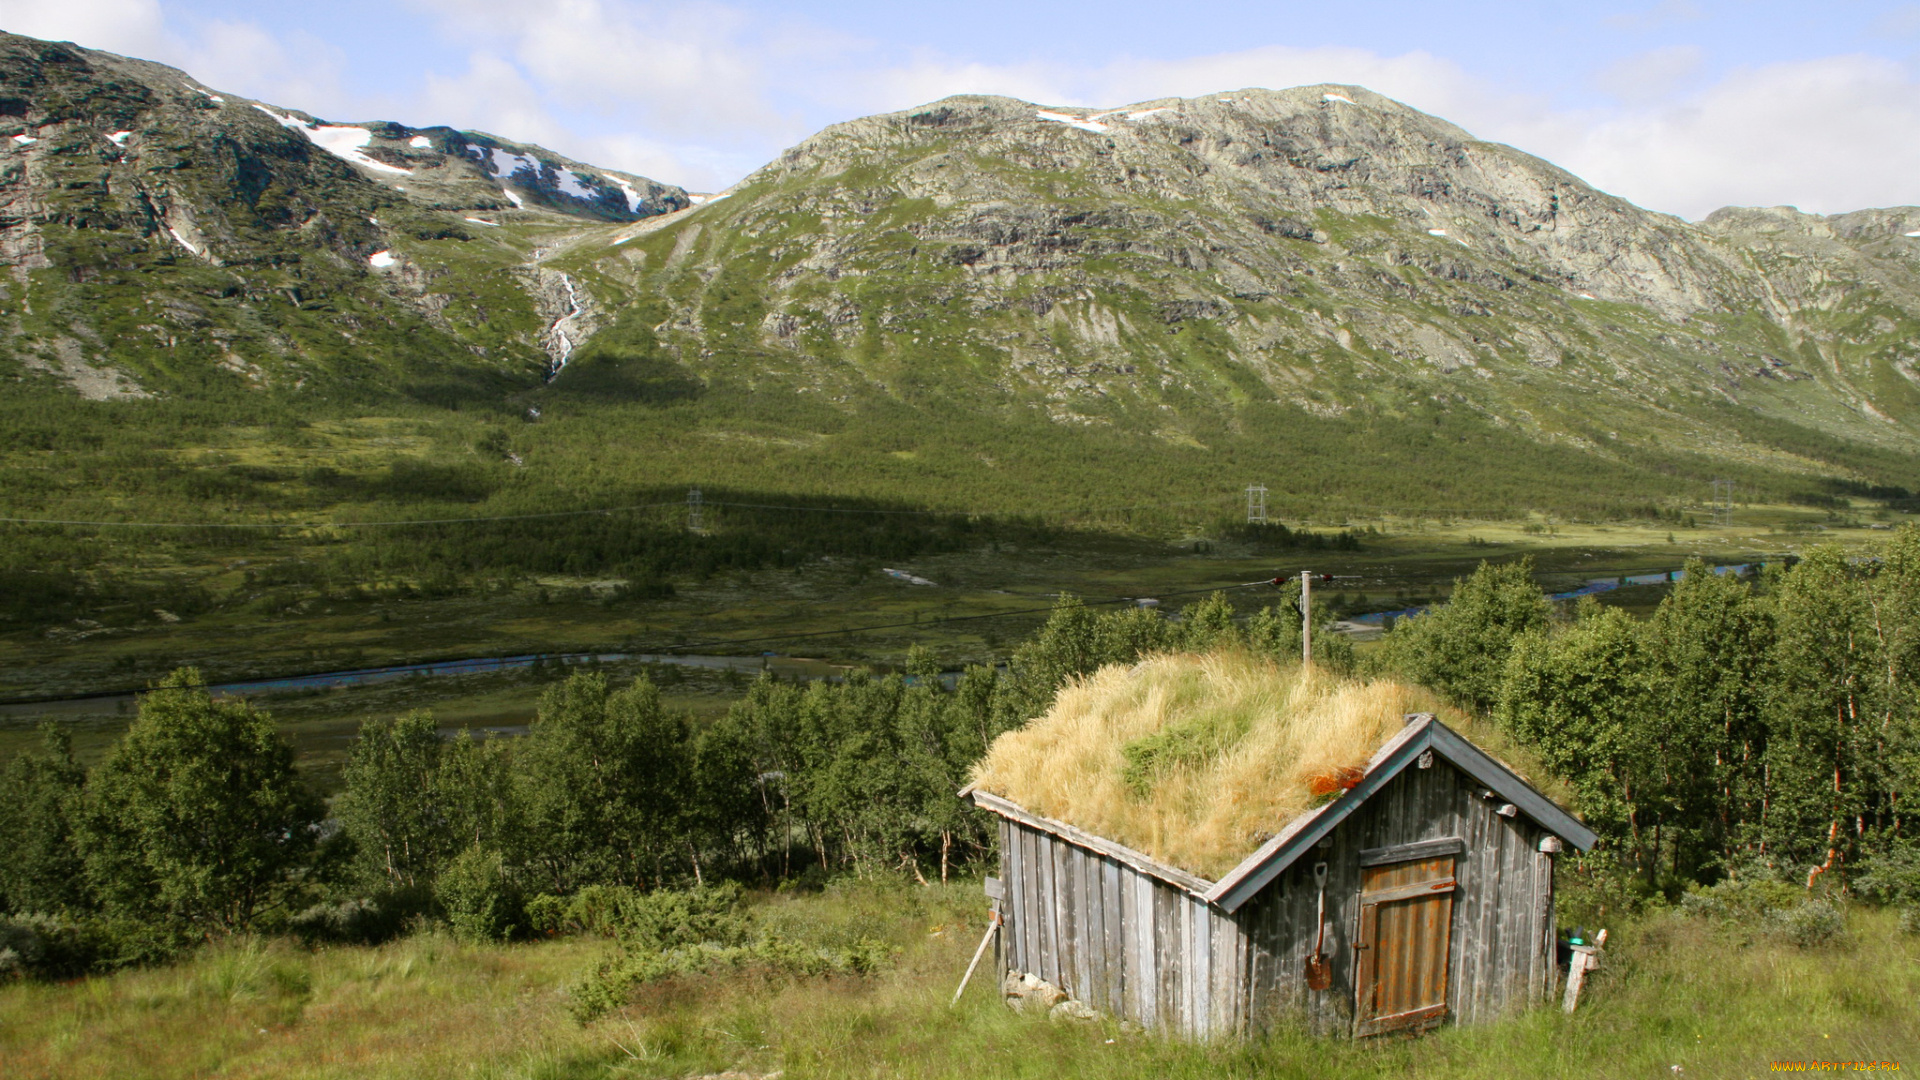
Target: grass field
(1718, 1002)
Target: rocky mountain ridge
(1323, 248)
(158, 229)
(1185, 273)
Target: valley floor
(1412, 562)
(1679, 996)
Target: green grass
(1674, 991)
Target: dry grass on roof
(1197, 759)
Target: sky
(1682, 106)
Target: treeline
(1761, 729)
(196, 824)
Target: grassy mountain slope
(1319, 283)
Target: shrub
(477, 896)
(50, 947)
(1775, 907)
(1811, 923)
(1891, 876)
(596, 909)
(360, 920)
(689, 932)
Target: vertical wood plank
(1063, 913)
(1030, 876)
(1166, 957)
(1012, 920)
(1087, 921)
(1114, 935)
(1129, 946)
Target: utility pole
(1306, 617)
(696, 512)
(1256, 504)
(1723, 502)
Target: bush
(477, 896)
(596, 909)
(51, 947)
(1743, 900)
(1811, 923)
(1891, 876)
(361, 920)
(1775, 907)
(690, 932)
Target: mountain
(982, 303)
(165, 237)
(1178, 269)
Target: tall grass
(1715, 999)
(1196, 759)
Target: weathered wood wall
(1138, 947)
(1502, 953)
(1122, 941)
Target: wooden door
(1406, 932)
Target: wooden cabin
(1434, 870)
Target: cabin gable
(1500, 952)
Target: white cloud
(1828, 135)
(298, 69)
(130, 27)
(1650, 76)
(674, 69)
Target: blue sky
(1680, 105)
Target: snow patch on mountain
(420, 142)
(634, 199)
(1083, 123)
(381, 260)
(342, 142)
(570, 184)
(118, 138)
(505, 163)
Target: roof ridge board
(1490, 771)
(1139, 860)
(1239, 884)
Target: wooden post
(1585, 959)
(993, 923)
(1306, 617)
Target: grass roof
(1197, 759)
